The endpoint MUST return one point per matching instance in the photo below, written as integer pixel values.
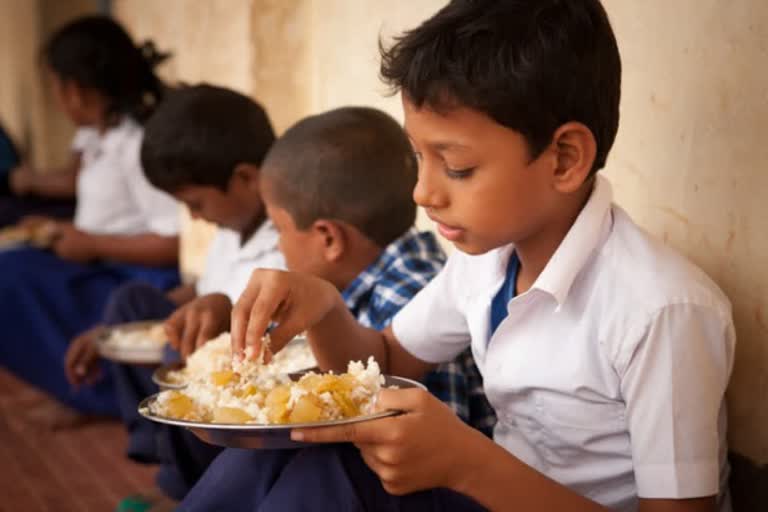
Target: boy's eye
(459, 174)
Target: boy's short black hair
(352, 164)
(531, 65)
(199, 134)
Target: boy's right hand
(197, 322)
(295, 302)
(81, 362)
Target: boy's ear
(576, 148)
(333, 239)
(246, 174)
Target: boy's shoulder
(416, 254)
(647, 275)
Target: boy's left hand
(426, 447)
(72, 244)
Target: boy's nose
(427, 192)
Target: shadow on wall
(749, 485)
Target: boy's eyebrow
(442, 145)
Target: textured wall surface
(26, 106)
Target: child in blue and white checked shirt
(338, 189)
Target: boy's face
(302, 249)
(295, 244)
(477, 180)
(213, 205)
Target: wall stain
(676, 214)
(759, 318)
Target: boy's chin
(472, 248)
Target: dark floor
(79, 469)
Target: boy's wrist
(478, 454)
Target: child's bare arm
(58, 183)
(299, 302)
(407, 455)
(146, 249)
(182, 294)
(197, 322)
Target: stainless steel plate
(264, 437)
(126, 354)
(164, 382)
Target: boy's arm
(299, 302)
(60, 183)
(145, 249)
(182, 294)
(407, 455)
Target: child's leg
(183, 457)
(129, 303)
(318, 478)
(183, 460)
(45, 303)
(13, 209)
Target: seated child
(123, 230)
(605, 354)
(338, 188)
(204, 145)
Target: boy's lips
(450, 233)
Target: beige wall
(26, 107)
(689, 159)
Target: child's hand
(197, 322)
(426, 447)
(22, 180)
(81, 362)
(72, 244)
(35, 221)
(295, 302)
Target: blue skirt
(44, 303)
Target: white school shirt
(228, 265)
(609, 374)
(113, 195)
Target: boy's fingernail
(297, 435)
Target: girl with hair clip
(123, 228)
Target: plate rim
(126, 354)
(251, 428)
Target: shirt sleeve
(432, 326)
(83, 138)
(206, 283)
(161, 211)
(674, 385)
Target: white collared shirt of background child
(228, 265)
(113, 195)
(609, 374)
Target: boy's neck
(535, 252)
(252, 227)
(361, 254)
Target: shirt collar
(586, 234)
(369, 277)
(264, 240)
(114, 137)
